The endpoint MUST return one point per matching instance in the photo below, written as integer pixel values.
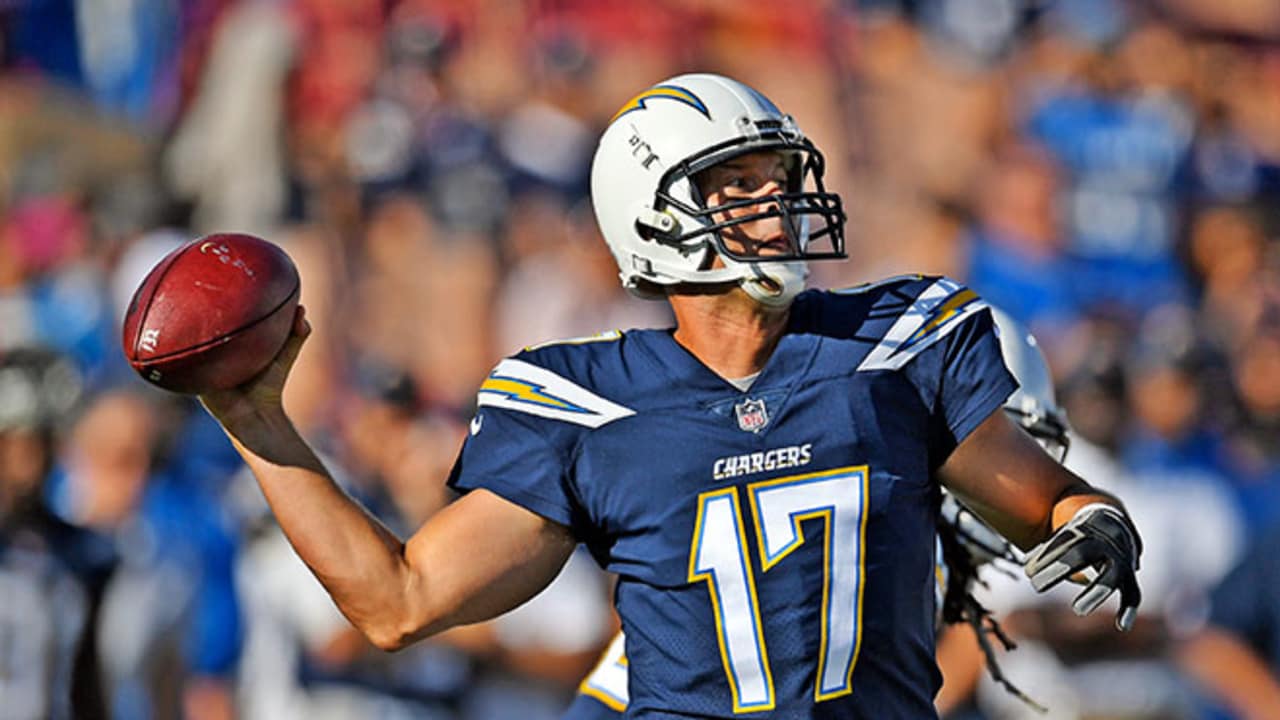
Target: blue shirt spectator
(1247, 603)
(1125, 156)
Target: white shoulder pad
(605, 336)
(524, 387)
(867, 287)
(938, 310)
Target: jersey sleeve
(959, 371)
(508, 454)
(528, 425)
(974, 380)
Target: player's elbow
(391, 635)
(401, 623)
(388, 640)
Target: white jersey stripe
(923, 324)
(525, 387)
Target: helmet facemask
(812, 219)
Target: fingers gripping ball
(1099, 538)
(212, 314)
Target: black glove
(1101, 538)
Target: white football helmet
(653, 217)
(1034, 404)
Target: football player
(602, 695)
(763, 478)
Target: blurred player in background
(603, 694)
(763, 479)
(52, 575)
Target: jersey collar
(670, 360)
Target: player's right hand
(263, 392)
(1100, 538)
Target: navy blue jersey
(775, 547)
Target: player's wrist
(242, 418)
(1073, 502)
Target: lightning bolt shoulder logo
(937, 311)
(663, 92)
(949, 310)
(524, 387)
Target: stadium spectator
(52, 575)
(1236, 656)
(169, 635)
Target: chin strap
(774, 284)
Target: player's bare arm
(1001, 473)
(472, 561)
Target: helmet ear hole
(645, 232)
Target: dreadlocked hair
(960, 606)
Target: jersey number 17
(719, 556)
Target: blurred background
(1107, 171)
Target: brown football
(211, 314)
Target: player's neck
(730, 333)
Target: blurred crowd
(1107, 171)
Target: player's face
(753, 176)
(23, 462)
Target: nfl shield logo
(752, 416)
